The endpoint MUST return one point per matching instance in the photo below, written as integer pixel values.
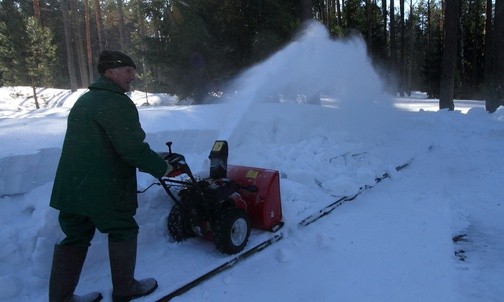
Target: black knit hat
(112, 59)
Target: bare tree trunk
(448, 64)
(36, 9)
(495, 91)
(411, 50)
(99, 24)
(69, 47)
(36, 14)
(81, 58)
(402, 50)
(384, 17)
(89, 51)
(327, 14)
(332, 12)
(368, 22)
(430, 84)
(488, 40)
(498, 45)
(393, 44)
(475, 52)
(120, 14)
(306, 13)
(338, 13)
(146, 74)
(429, 24)
(461, 47)
(35, 97)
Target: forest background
(193, 48)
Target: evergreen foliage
(12, 48)
(40, 54)
(192, 48)
(204, 43)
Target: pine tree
(12, 46)
(40, 55)
(6, 49)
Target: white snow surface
(392, 243)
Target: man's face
(122, 76)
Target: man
(95, 183)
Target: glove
(177, 164)
(176, 160)
(169, 168)
(173, 159)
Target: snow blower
(225, 206)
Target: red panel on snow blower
(263, 206)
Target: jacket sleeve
(120, 121)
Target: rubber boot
(66, 269)
(122, 267)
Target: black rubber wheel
(231, 230)
(179, 224)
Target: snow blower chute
(225, 206)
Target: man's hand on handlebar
(176, 162)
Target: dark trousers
(80, 230)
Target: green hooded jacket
(103, 146)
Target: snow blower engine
(225, 206)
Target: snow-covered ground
(393, 243)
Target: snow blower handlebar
(178, 162)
